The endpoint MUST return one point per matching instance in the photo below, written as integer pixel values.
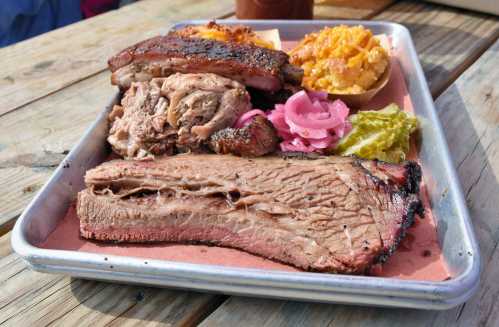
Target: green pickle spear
(381, 134)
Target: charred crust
(411, 181)
(256, 139)
(175, 46)
(415, 208)
(412, 177)
(378, 182)
(408, 192)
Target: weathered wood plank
(32, 298)
(23, 183)
(5, 248)
(40, 66)
(123, 305)
(10, 265)
(470, 117)
(25, 287)
(51, 126)
(447, 40)
(349, 9)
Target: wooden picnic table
(53, 86)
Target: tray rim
(431, 295)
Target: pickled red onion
(301, 111)
(309, 122)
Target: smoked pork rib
(162, 56)
(331, 214)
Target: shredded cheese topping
(340, 60)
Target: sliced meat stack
(331, 214)
(162, 56)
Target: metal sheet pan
(455, 232)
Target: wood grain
(37, 299)
(349, 9)
(40, 66)
(51, 126)
(5, 248)
(447, 40)
(22, 183)
(469, 113)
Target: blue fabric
(22, 19)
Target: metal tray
(455, 232)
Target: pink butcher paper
(419, 256)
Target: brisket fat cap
(330, 214)
(172, 114)
(161, 56)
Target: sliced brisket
(330, 214)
